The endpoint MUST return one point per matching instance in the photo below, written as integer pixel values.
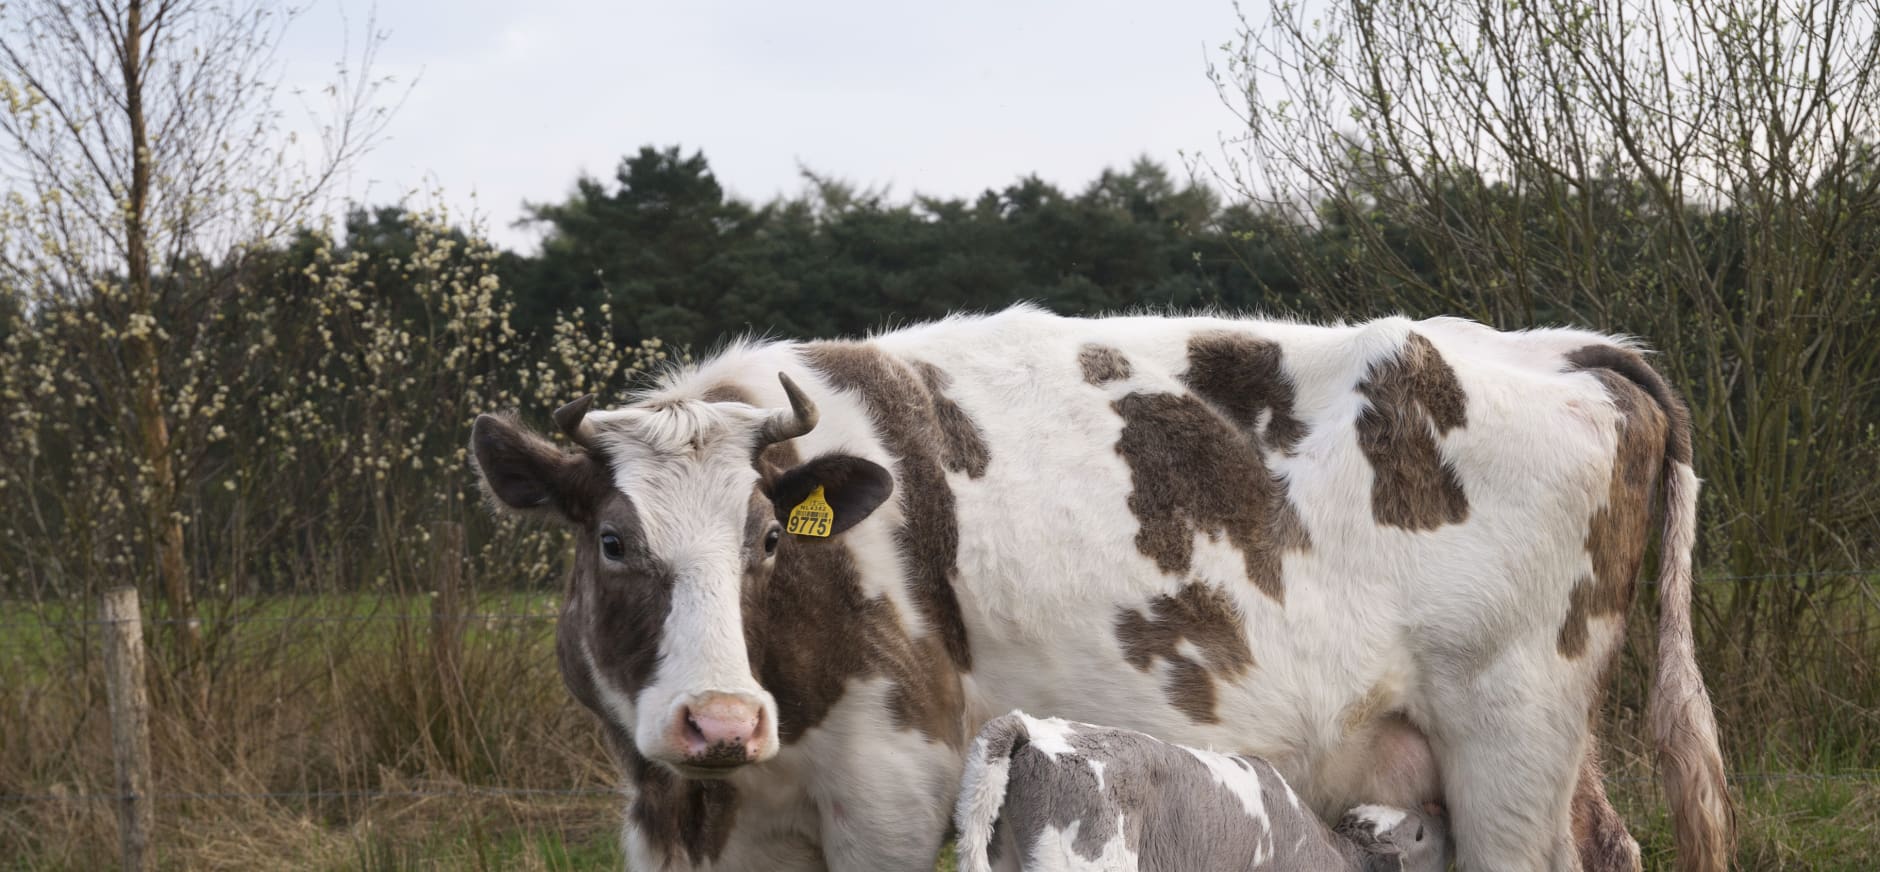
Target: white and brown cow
(1044, 795)
(1288, 541)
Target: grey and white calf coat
(1050, 794)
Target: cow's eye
(771, 538)
(612, 546)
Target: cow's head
(677, 528)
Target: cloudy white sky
(512, 100)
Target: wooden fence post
(447, 600)
(130, 723)
(447, 625)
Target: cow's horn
(799, 419)
(569, 418)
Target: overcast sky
(513, 100)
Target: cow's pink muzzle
(720, 731)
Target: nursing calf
(1052, 794)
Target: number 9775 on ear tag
(813, 516)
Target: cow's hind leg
(1604, 843)
(1510, 742)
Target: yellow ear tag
(813, 516)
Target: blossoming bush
(320, 419)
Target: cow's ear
(526, 473)
(851, 487)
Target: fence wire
(1852, 776)
(1714, 580)
(316, 794)
(288, 619)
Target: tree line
(693, 265)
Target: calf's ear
(526, 473)
(852, 487)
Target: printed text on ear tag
(813, 516)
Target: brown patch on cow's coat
(1414, 397)
(1193, 472)
(1242, 376)
(1573, 631)
(622, 611)
(1632, 365)
(726, 392)
(964, 444)
(927, 695)
(775, 460)
(1102, 364)
(1289, 530)
(1619, 530)
(808, 630)
(818, 631)
(687, 819)
(1207, 619)
(1598, 831)
(927, 434)
(813, 630)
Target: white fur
(1385, 817)
(1051, 736)
(1679, 714)
(1245, 785)
(1053, 851)
(884, 796)
(982, 795)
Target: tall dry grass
(340, 709)
(1803, 701)
(374, 756)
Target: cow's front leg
(1510, 744)
(884, 795)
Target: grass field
(1833, 827)
(341, 697)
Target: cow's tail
(982, 789)
(1682, 725)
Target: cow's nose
(722, 729)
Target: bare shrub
(145, 162)
(1703, 175)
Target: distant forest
(676, 257)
